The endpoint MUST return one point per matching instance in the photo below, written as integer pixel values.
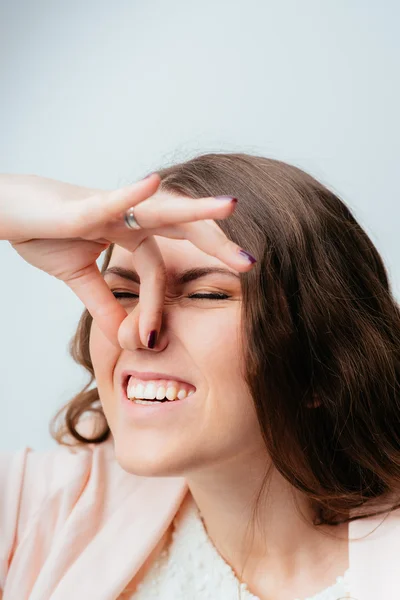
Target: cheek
(217, 347)
(223, 344)
(227, 422)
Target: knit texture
(191, 567)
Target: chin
(145, 462)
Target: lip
(142, 412)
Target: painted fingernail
(247, 256)
(226, 198)
(151, 341)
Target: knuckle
(228, 244)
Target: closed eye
(209, 296)
(198, 296)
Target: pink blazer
(76, 525)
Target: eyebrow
(178, 278)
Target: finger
(162, 210)
(93, 291)
(163, 216)
(88, 216)
(149, 264)
(209, 238)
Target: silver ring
(130, 220)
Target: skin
(217, 444)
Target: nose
(129, 337)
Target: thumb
(95, 294)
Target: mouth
(156, 391)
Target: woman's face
(198, 343)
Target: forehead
(176, 254)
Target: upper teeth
(158, 389)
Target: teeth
(171, 393)
(147, 402)
(154, 391)
(150, 391)
(160, 393)
(138, 391)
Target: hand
(62, 229)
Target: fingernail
(248, 256)
(226, 198)
(147, 176)
(151, 341)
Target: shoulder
(48, 485)
(41, 473)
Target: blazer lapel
(112, 558)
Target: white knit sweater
(191, 568)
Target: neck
(283, 543)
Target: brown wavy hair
(321, 335)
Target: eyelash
(197, 296)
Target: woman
(275, 435)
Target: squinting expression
(199, 343)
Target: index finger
(150, 267)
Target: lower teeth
(137, 401)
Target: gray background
(99, 94)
